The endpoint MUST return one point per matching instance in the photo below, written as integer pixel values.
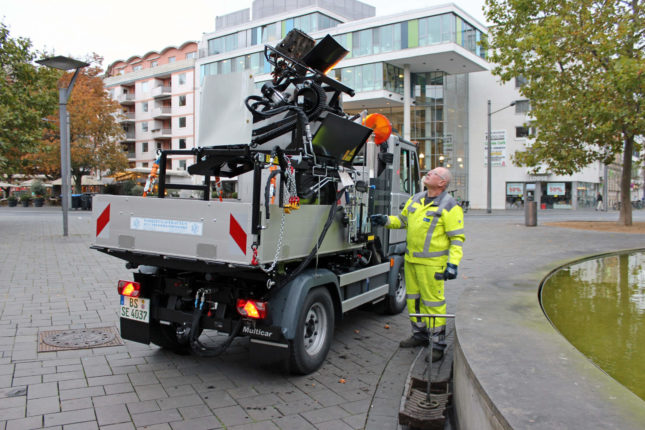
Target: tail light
(129, 288)
(252, 308)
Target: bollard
(530, 214)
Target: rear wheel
(314, 332)
(396, 303)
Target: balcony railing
(132, 155)
(127, 117)
(129, 136)
(162, 133)
(161, 92)
(162, 112)
(125, 99)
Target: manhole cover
(56, 340)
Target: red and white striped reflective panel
(237, 233)
(102, 221)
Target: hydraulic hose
(205, 351)
(268, 132)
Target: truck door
(405, 182)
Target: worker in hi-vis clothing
(434, 246)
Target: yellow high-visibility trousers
(425, 295)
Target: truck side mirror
(386, 157)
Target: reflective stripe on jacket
(435, 229)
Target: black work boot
(413, 341)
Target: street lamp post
(64, 63)
(490, 158)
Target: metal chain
(291, 179)
(278, 248)
(291, 188)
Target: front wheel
(314, 332)
(396, 303)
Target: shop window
(514, 195)
(556, 195)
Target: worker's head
(437, 179)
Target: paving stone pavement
(48, 282)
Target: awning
(85, 181)
(147, 170)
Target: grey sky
(119, 29)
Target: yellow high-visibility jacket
(435, 229)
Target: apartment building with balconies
(157, 95)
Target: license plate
(137, 309)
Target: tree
(94, 130)
(27, 96)
(583, 61)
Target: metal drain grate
(417, 414)
(82, 338)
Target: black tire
(165, 336)
(314, 332)
(395, 304)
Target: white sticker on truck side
(167, 226)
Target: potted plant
(12, 201)
(38, 190)
(25, 199)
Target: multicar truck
(294, 251)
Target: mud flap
(136, 331)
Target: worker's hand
(450, 272)
(379, 219)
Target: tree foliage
(27, 95)
(94, 130)
(584, 64)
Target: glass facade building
(272, 32)
(444, 28)
(438, 98)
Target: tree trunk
(625, 217)
(78, 177)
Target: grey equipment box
(210, 231)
